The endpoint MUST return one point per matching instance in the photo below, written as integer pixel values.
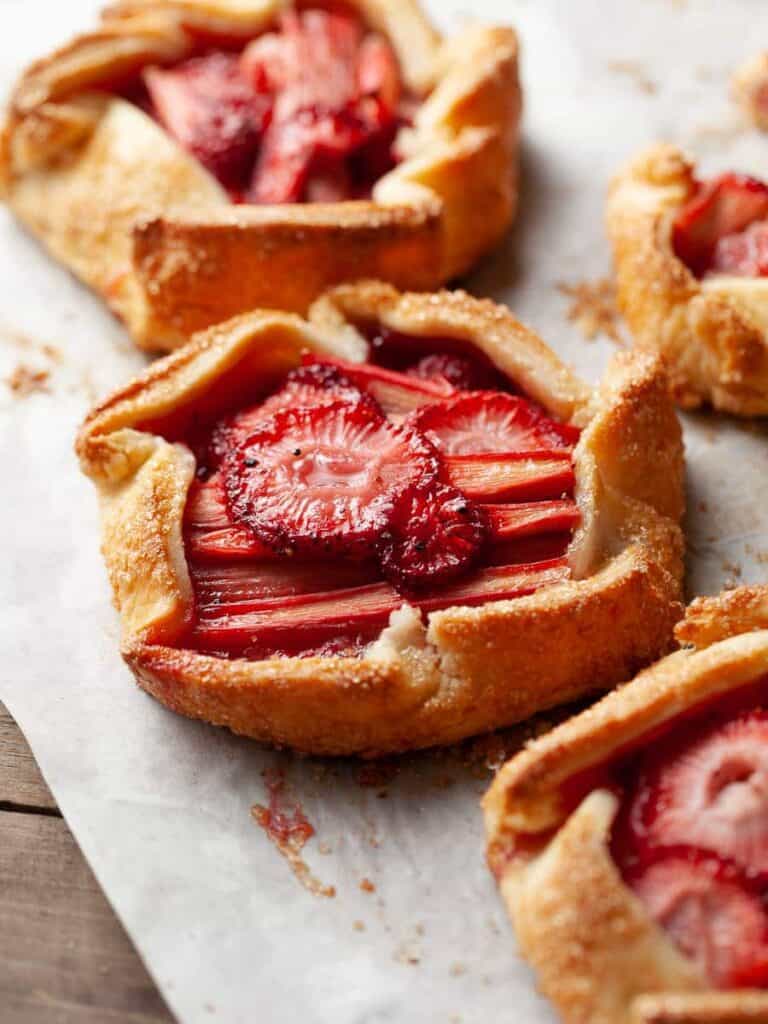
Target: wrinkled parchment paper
(160, 805)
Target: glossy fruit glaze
(322, 507)
(691, 838)
(723, 228)
(306, 112)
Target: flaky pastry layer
(713, 332)
(120, 203)
(597, 953)
(462, 670)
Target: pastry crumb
(408, 953)
(26, 380)
(633, 69)
(594, 308)
(359, 926)
(367, 885)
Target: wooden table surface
(64, 956)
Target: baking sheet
(162, 806)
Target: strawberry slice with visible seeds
(434, 534)
(457, 372)
(303, 622)
(744, 254)
(708, 788)
(486, 421)
(312, 384)
(530, 518)
(710, 915)
(396, 393)
(518, 476)
(721, 207)
(324, 479)
(207, 105)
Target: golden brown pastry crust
(469, 669)
(598, 955)
(117, 201)
(750, 89)
(712, 333)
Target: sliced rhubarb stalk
(519, 476)
(397, 393)
(205, 506)
(498, 584)
(223, 589)
(528, 518)
(274, 622)
(230, 542)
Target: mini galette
(194, 159)
(395, 525)
(691, 260)
(631, 842)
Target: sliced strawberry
(744, 253)
(486, 421)
(305, 621)
(708, 788)
(325, 478)
(434, 534)
(312, 384)
(712, 917)
(531, 518)
(315, 382)
(721, 207)
(458, 372)
(396, 393)
(210, 109)
(519, 476)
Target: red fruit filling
(324, 507)
(692, 840)
(710, 914)
(485, 422)
(721, 228)
(308, 112)
(209, 108)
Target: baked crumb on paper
(593, 308)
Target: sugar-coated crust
(750, 89)
(467, 669)
(711, 333)
(598, 955)
(116, 200)
(745, 1007)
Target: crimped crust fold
(712, 333)
(598, 955)
(466, 669)
(122, 205)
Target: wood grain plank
(20, 779)
(64, 956)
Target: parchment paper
(160, 805)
